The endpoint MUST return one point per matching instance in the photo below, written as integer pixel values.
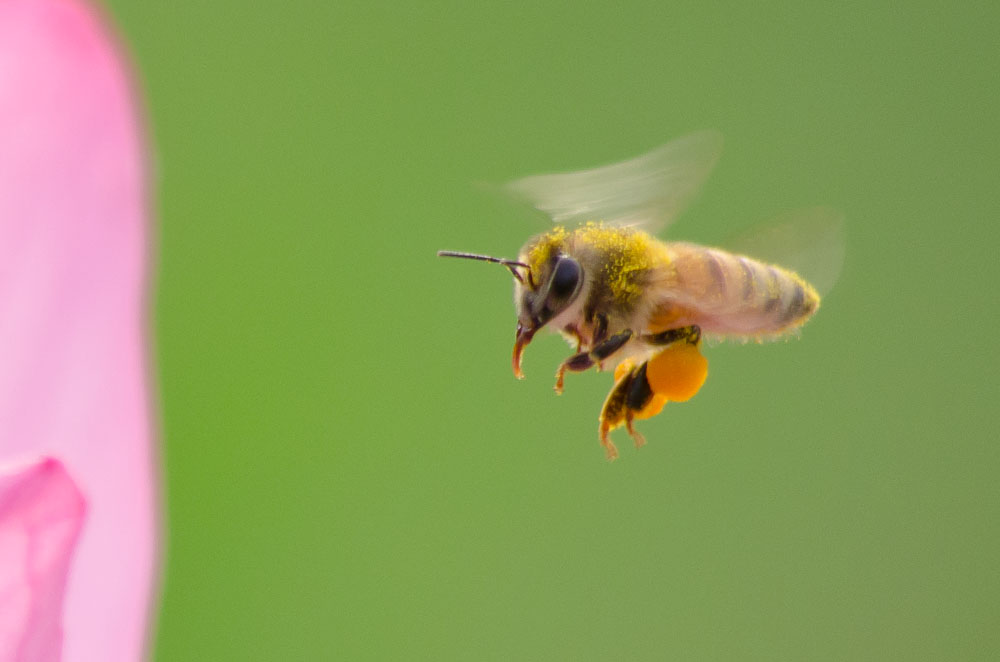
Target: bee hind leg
(631, 399)
(637, 437)
(585, 360)
(613, 413)
(676, 372)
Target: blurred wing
(650, 190)
(809, 241)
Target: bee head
(558, 284)
(540, 293)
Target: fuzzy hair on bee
(621, 296)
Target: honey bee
(620, 295)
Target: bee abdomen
(780, 298)
(803, 302)
(736, 295)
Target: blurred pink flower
(41, 511)
(73, 366)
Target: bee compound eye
(565, 277)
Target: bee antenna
(512, 265)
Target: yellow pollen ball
(652, 408)
(677, 372)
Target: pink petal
(41, 511)
(73, 248)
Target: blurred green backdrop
(353, 473)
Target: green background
(353, 473)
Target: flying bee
(619, 295)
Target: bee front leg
(585, 360)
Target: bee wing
(808, 241)
(650, 190)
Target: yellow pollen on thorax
(626, 255)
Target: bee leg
(585, 360)
(690, 334)
(639, 396)
(640, 392)
(571, 333)
(598, 334)
(600, 329)
(640, 440)
(613, 413)
(630, 399)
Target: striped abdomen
(733, 294)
